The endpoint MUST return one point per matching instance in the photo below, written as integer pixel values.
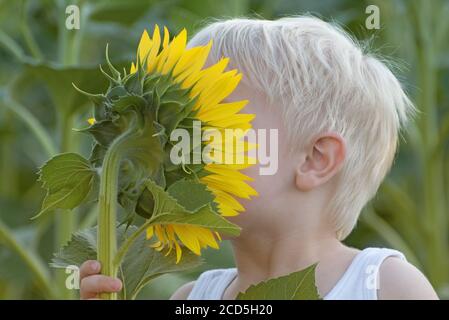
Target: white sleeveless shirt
(359, 282)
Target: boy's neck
(259, 256)
(272, 257)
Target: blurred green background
(40, 58)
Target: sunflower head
(168, 88)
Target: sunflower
(207, 87)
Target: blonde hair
(323, 81)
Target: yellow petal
(91, 121)
(156, 245)
(234, 120)
(160, 233)
(166, 37)
(210, 72)
(238, 188)
(171, 238)
(188, 238)
(151, 60)
(221, 110)
(242, 126)
(161, 58)
(177, 47)
(191, 61)
(219, 90)
(150, 232)
(228, 212)
(178, 252)
(229, 144)
(144, 46)
(133, 68)
(206, 238)
(227, 173)
(225, 199)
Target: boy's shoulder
(400, 280)
(214, 278)
(183, 292)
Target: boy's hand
(92, 283)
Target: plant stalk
(107, 215)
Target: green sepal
(104, 132)
(124, 102)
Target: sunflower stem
(107, 239)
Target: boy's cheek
(267, 187)
(252, 172)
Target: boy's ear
(322, 160)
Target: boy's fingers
(89, 267)
(89, 296)
(92, 285)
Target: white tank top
(359, 282)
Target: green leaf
(140, 265)
(81, 247)
(155, 196)
(298, 285)
(183, 190)
(68, 178)
(169, 211)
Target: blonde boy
(338, 112)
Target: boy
(338, 112)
